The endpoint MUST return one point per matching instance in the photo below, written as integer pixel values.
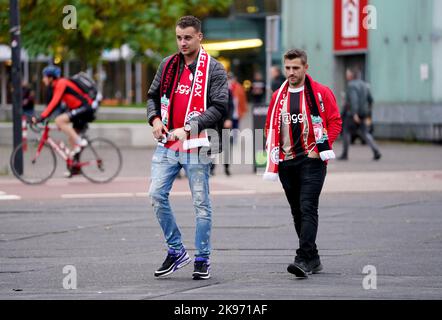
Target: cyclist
(78, 103)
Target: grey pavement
(385, 214)
(396, 156)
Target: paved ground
(385, 214)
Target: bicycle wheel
(37, 168)
(100, 161)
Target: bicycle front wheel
(100, 161)
(38, 165)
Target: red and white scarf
(198, 95)
(273, 134)
(274, 156)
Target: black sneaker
(201, 269)
(173, 262)
(316, 266)
(377, 156)
(300, 269)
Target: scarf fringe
(270, 176)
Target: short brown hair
(189, 21)
(296, 53)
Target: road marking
(145, 194)
(213, 193)
(97, 195)
(232, 192)
(4, 196)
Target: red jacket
(330, 114)
(68, 92)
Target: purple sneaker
(173, 262)
(201, 269)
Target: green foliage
(103, 24)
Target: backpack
(86, 84)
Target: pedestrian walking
(302, 123)
(357, 113)
(187, 96)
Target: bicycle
(99, 162)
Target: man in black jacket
(186, 106)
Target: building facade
(401, 58)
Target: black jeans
(365, 134)
(302, 182)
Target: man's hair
(189, 21)
(296, 53)
(355, 72)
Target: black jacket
(217, 99)
(358, 98)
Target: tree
(102, 24)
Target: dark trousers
(365, 134)
(302, 183)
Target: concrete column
(26, 70)
(138, 82)
(3, 83)
(100, 73)
(128, 81)
(66, 69)
(90, 71)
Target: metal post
(16, 82)
(272, 45)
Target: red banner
(349, 32)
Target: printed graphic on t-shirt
(292, 119)
(288, 118)
(182, 89)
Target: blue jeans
(166, 164)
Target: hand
(356, 118)
(368, 122)
(179, 134)
(158, 129)
(34, 120)
(228, 124)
